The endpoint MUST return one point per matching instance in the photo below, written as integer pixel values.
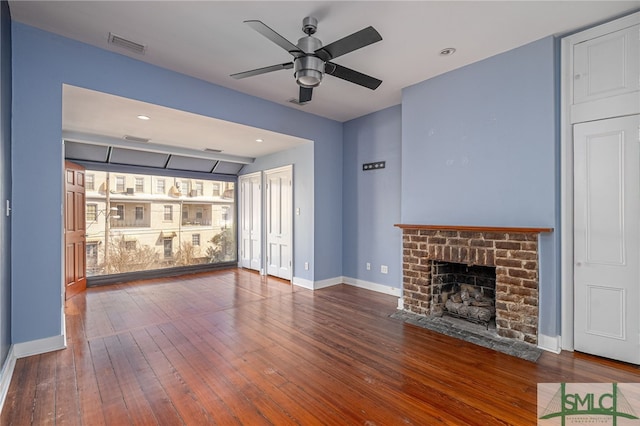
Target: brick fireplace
(512, 251)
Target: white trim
(401, 303)
(317, 285)
(380, 288)
(566, 198)
(5, 375)
(301, 282)
(40, 346)
(550, 343)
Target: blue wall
(5, 180)
(371, 199)
(43, 62)
(479, 147)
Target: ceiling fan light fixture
(308, 71)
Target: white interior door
(279, 193)
(250, 221)
(607, 238)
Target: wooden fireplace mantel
(475, 228)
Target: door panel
(74, 232)
(279, 222)
(607, 238)
(250, 222)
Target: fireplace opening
(463, 291)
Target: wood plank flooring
(232, 347)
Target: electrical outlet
(368, 266)
(306, 266)
(384, 269)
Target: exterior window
(139, 185)
(195, 239)
(92, 252)
(184, 187)
(199, 213)
(216, 190)
(168, 248)
(120, 183)
(139, 213)
(120, 212)
(89, 182)
(185, 214)
(92, 212)
(160, 186)
(168, 212)
(199, 188)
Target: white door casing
(607, 238)
(278, 221)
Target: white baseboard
(5, 375)
(317, 285)
(380, 288)
(549, 343)
(301, 282)
(40, 346)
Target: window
(119, 212)
(168, 212)
(89, 182)
(184, 187)
(153, 234)
(120, 183)
(168, 248)
(216, 190)
(92, 212)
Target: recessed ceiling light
(144, 117)
(448, 51)
(259, 140)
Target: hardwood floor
(232, 347)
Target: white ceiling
(207, 40)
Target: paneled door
(279, 194)
(250, 221)
(74, 230)
(607, 238)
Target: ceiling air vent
(127, 44)
(213, 150)
(135, 139)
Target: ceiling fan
(312, 60)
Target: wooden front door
(74, 230)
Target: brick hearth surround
(513, 251)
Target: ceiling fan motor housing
(308, 69)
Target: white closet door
(607, 238)
(279, 194)
(250, 221)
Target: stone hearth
(512, 251)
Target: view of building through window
(131, 225)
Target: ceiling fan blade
(305, 94)
(264, 70)
(348, 44)
(352, 75)
(266, 31)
